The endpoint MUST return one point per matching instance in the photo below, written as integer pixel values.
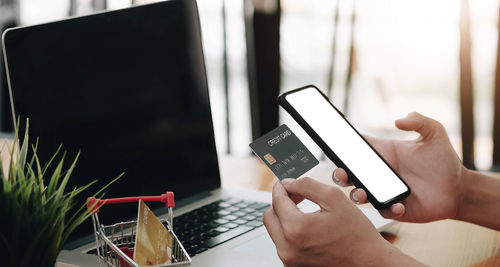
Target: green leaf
(64, 182)
(12, 163)
(47, 165)
(54, 179)
(23, 153)
(37, 218)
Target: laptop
(128, 89)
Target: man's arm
(337, 235)
(479, 200)
(442, 188)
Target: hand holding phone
(344, 145)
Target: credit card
(153, 242)
(283, 152)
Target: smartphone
(344, 145)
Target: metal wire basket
(115, 243)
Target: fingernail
(397, 209)
(353, 196)
(334, 177)
(287, 181)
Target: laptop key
(232, 201)
(254, 223)
(221, 221)
(240, 221)
(221, 229)
(242, 205)
(248, 210)
(211, 234)
(230, 217)
(204, 237)
(239, 214)
(232, 209)
(257, 214)
(213, 224)
(231, 225)
(223, 212)
(214, 241)
(224, 205)
(249, 218)
(259, 206)
(205, 227)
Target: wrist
(387, 255)
(479, 200)
(463, 194)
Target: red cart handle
(93, 204)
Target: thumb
(295, 198)
(421, 124)
(322, 194)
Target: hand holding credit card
(283, 152)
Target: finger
(417, 122)
(273, 226)
(370, 139)
(380, 145)
(319, 193)
(358, 196)
(295, 198)
(395, 212)
(283, 205)
(339, 176)
(385, 147)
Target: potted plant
(35, 205)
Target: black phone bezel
(332, 156)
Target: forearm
(479, 201)
(388, 256)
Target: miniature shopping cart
(115, 243)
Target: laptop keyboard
(217, 222)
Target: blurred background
(377, 60)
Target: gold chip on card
(270, 159)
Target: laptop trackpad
(263, 246)
(260, 247)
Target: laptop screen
(128, 89)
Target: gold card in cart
(153, 243)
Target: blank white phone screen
(343, 140)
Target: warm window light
(406, 55)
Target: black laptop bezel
(189, 4)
